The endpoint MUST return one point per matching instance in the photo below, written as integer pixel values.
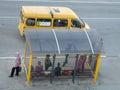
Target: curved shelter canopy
(55, 41)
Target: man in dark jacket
(58, 70)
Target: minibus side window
(82, 22)
(43, 22)
(60, 22)
(22, 17)
(30, 22)
(75, 23)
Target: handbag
(20, 68)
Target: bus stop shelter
(61, 42)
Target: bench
(42, 74)
(63, 73)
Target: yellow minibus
(49, 17)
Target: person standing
(47, 62)
(80, 63)
(16, 66)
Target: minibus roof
(63, 12)
(36, 11)
(48, 12)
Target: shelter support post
(66, 60)
(29, 70)
(74, 73)
(53, 65)
(97, 68)
(83, 68)
(24, 65)
(25, 51)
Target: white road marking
(102, 18)
(103, 56)
(8, 17)
(96, 18)
(72, 1)
(3, 58)
(7, 57)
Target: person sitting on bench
(58, 70)
(39, 68)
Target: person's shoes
(10, 76)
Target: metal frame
(53, 64)
(28, 72)
(97, 68)
(74, 74)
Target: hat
(58, 64)
(48, 55)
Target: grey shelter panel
(73, 41)
(95, 40)
(32, 41)
(50, 41)
(47, 41)
(41, 41)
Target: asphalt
(104, 16)
(108, 79)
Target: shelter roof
(50, 41)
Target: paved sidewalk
(108, 79)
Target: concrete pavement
(104, 17)
(108, 79)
